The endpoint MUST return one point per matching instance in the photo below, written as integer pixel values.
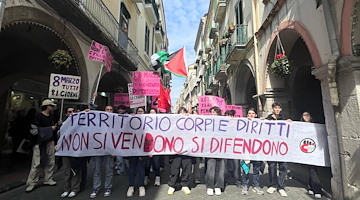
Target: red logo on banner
(307, 145)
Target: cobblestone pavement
(295, 191)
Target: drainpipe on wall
(2, 10)
(332, 65)
(255, 20)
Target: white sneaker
(72, 194)
(64, 194)
(318, 196)
(171, 190)
(130, 191)
(271, 190)
(146, 180)
(282, 193)
(244, 190)
(186, 190)
(50, 182)
(210, 192)
(30, 188)
(157, 181)
(258, 190)
(311, 192)
(218, 191)
(141, 191)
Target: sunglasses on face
(71, 111)
(306, 115)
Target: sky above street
(182, 22)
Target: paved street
(295, 190)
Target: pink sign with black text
(208, 101)
(121, 99)
(146, 83)
(100, 53)
(238, 110)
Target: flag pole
(61, 109)
(146, 103)
(97, 84)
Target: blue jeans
(136, 167)
(215, 173)
(155, 162)
(98, 162)
(274, 180)
(120, 164)
(256, 175)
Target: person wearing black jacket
(44, 149)
(276, 182)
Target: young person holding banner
(215, 168)
(251, 114)
(120, 163)
(232, 168)
(275, 182)
(72, 169)
(314, 182)
(98, 162)
(177, 161)
(196, 161)
(137, 168)
(154, 162)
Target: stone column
(336, 181)
(348, 81)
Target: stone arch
(23, 14)
(244, 85)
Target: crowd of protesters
(44, 132)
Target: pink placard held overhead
(146, 83)
(238, 110)
(100, 53)
(121, 99)
(208, 101)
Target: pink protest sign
(208, 101)
(121, 99)
(100, 53)
(238, 110)
(146, 83)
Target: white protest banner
(64, 86)
(98, 133)
(135, 100)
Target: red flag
(163, 99)
(177, 64)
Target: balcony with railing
(220, 10)
(220, 67)
(152, 11)
(95, 20)
(237, 43)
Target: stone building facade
(32, 30)
(321, 40)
